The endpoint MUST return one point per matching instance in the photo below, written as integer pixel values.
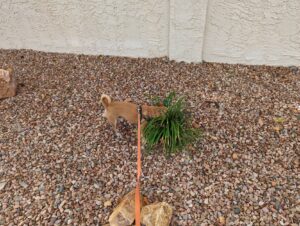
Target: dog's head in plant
(172, 129)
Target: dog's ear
(106, 100)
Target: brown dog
(127, 110)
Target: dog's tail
(105, 100)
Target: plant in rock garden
(173, 129)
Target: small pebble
(107, 203)
(236, 210)
(277, 205)
(23, 184)
(222, 220)
(234, 156)
(2, 185)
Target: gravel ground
(60, 161)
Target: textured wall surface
(253, 32)
(187, 24)
(114, 27)
(231, 31)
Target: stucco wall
(187, 25)
(231, 31)
(253, 32)
(113, 27)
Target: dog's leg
(114, 124)
(113, 121)
(119, 135)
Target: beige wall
(253, 32)
(187, 25)
(231, 31)
(114, 27)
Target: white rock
(2, 185)
(23, 184)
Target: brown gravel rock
(222, 220)
(235, 156)
(53, 138)
(8, 84)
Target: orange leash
(139, 172)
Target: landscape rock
(124, 213)
(8, 84)
(156, 214)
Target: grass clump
(173, 129)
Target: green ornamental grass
(173, 129)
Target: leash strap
(139, 171)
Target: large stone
(157, 214)
(8, 84)
(124, 213)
